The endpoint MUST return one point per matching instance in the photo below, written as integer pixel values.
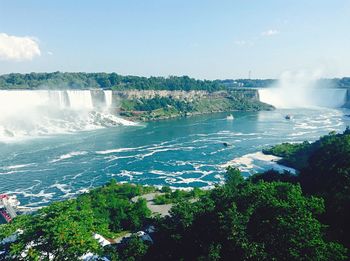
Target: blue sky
(200, 38)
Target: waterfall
(302, 89)
(80, 99)
(77, 100)
(42, 112)
(108, 98)
(281, 98)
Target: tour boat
(230, 117)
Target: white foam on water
(128, 174)
(249, 163)
(69, 155)
(77, 175)
(158, 172)
(64, 188)
(41, 194)
(115, 158)
(118, 150)
(12, 172)
(300, 133)
(19, 166)
(142, 156)
(189, 181)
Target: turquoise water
(185, 152)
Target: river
(184, 152)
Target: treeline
(80, 80)
(105, 81)
(254, 83)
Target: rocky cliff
(160, 104)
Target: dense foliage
(65, 229)
(81, 80)
(294, 155)
(105, 81)
(325, 173)
(177, 196)
(243, 220)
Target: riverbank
(249, 163)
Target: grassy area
(171, 197)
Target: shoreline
(247, 163)
(180, 115)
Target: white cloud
(18, 48)
(50, 53)
(270, 32)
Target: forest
(81, 80)
(268, 216)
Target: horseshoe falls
(290, 98)
(303, 90)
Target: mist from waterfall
(302, 90)
(29, 113)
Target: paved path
(163, 210)
(119, 239)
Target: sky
(204, 39)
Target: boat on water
(288, 117)
(230, 117)
(8, 206)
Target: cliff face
(160, 104)
(149, 94)
(252, 94)
(186, 95)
